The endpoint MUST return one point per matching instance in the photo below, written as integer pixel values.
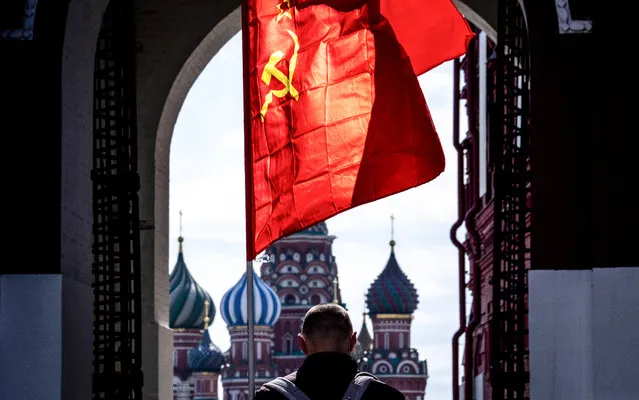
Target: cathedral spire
(364, 338)
(180, 238)
(207, 320)
(392, 241)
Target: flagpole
(251, 329)
(248, 175)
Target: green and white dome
(187, 298)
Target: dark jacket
(326, 376)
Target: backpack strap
(358, 386)
(286, 388)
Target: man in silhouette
(328, 372)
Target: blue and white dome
(187, 298)
(233, 306)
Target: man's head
(327, 327)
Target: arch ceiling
(482, 13)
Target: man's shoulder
(380, 390)
(264, 393)
(377, 389)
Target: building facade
(495, 263)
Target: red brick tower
(302, 271)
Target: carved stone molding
(566, 23)
(28, 20)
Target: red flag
(335, 116)
(431, 31)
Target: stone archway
(170, 56)
(173, 46)
(154, 199)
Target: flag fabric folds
(430, 31)
(335, 115)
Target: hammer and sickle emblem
(270, 70)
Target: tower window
(289, 299)
(288, 345)
(386, 340)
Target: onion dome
(206, 357)
(364, 337)
(392, 292)
(317, 229)
(233, 306)
(187, 298)
(364, 342)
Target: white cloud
(207, 183)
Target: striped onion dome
(187, 298)
(206, 357)
(233, 306)
(392, 292)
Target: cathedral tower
(233, 309)
(302, 271)
(205, 362)
(196, 361)
(364, 344)
(391, 301)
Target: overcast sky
(207, 183)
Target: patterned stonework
(28, 20)
(566, 23)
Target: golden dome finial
(335, 301)
(207, 320)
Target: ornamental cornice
(567, 25)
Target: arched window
(259, 351)
(479, 352)
(244, 350)
(386, 340)
(288, 345)
(401, 340)
(289, 299)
